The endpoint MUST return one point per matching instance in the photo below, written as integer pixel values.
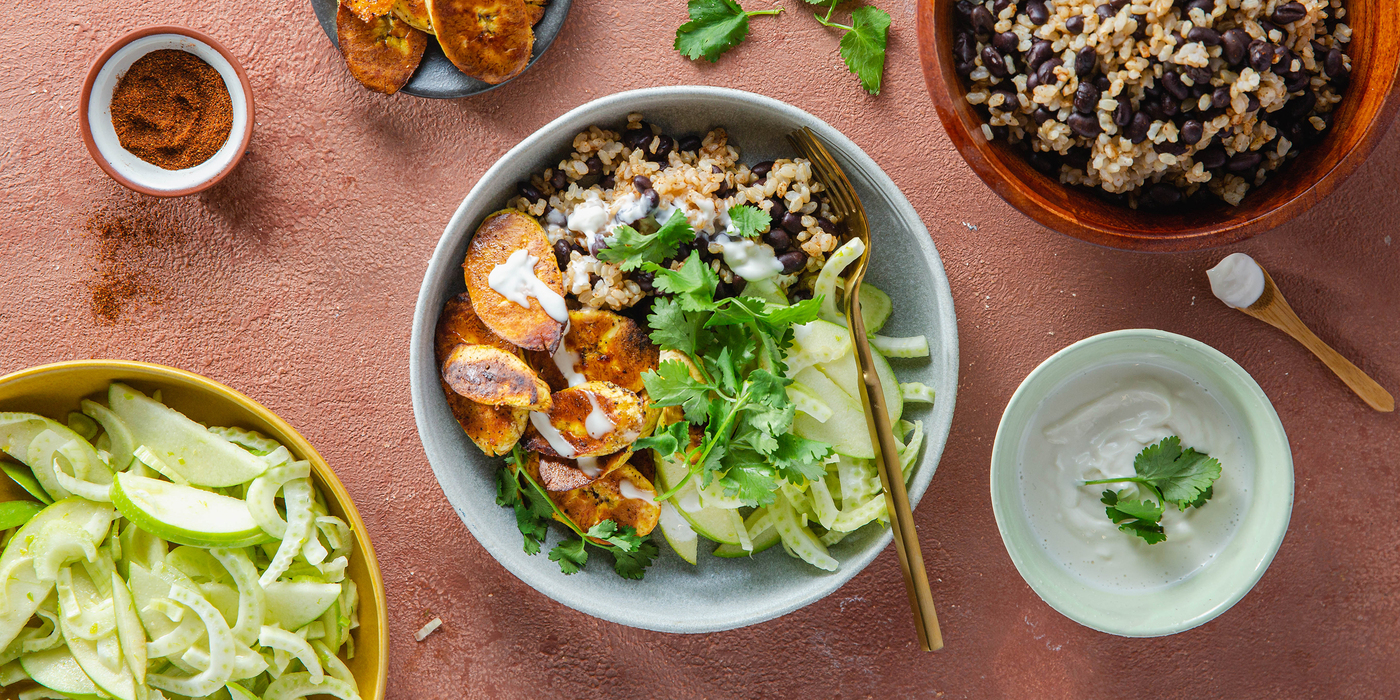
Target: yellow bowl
(54, 390)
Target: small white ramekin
(100, 137)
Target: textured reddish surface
(294, 281)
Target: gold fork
(844, 201)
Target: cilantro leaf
(626, 540)
(1181, 476)
(753, 483)
(863, 47)
(532, 511)
(670, 384)
(666, 441)
(630, 249)
(1136, 517)
(799, 459)
(715, 26)
(693, 284)
(632, 564)
(672, 327)
(571, 556)
(749, 221)
(804, 311)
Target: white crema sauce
(748, 258)
(515, 280)
(1237, 280)
(1092, 427)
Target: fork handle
(906, 538)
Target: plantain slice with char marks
(368, 9)
(415, 12)
(505, 245)
(562, 474)
(536, 10)
(494, 377)
(381, 52)
(600, 346)
(489, 40)
(623, 496)
(494, 429)
(590, 420)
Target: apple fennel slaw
(157, 562)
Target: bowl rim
(1006, 448)
(85, 127)
(936, 434)
(977, 153)
(300, 444)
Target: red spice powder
(171, 109)
(127, 236)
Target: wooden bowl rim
(980, 157)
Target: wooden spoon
(1274, 310)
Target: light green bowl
(1217, 586)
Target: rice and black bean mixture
(1154, 101)
(639, 176)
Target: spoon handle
(1280, 315)
(906, 538)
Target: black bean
(652, 199)
(529, 191)
(1118, 4)
(1170, 106)
(1075, 24)
(982, 21)
(558, 180)
(992, 61)
(641, 182)
(561, 252)
(1212, 158)
(965, 69)
(1236, 43)
(792, 222)
(778, 238)
(760, 171)
(1037, 13)
(1206, 6)
(1039, 53)
(1334, 64)
(963, 11)
(636, 138)
(827, 225)
(1085, 61)
(723, 290)
(1164, 194)
(725, 191)
(595, 244)
(1245, 162)
(1220, 99)
(1200, 76)
(779, 208)
(607, 182)
(964, 47)
(1105, 12)
(1046, 72)
(1197, 91)
(1192, 131)
(1000, 5)
(1005, 42)
(1289, 13)
(1269, 28)
(1253, 103)
(1085, 125)
(1140, 31)
(793, 261)
(1010, 103)
(1123, 113)
(1042, 115)
(645, 280)
(1086, 98)
(1044, 163)
(1205, 35)
(664, 146)
(1261, 55)
(1078, 157)
(1298, 81)
(1032, 82)
(1172, 82)
(595, 165)
(1154, 109)
(1137, 130)
(1175, 149)
(690, 143)
(1300, 106)
(1103, 83)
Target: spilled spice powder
(128, 235)
(172, 110)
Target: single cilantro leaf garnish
(863, 44)
(532, 512)
(715, 26)
(670, 384)
(693, 285)
(1136, 517)
(749, 221)
(630, 249)
(673, 327)
(1182, 477)
(633, 564)
(571, 556)
(668, 440)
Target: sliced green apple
(678, 532)
(24, 590)
(184, 514)
(22, 475)
(57, 670)
(201, 457)
(295, 604)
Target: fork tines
(842, 194)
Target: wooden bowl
(54, 390)
(1366, 110)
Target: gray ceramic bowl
(716, 594)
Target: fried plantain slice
(536, 10)
(602, 347)
(494, 377)
(489, 40)
(415, 12)
(381, 52)
(592, 419)
(367, 9)
(560, 474)
(494, 429)
(607, 499)
(496, 244)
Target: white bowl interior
(1214, 588)
(128, 164)
(718, 593)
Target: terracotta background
(294, 281)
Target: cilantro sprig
(631, 249)
(733, 382)
(632, 553)
(863, 44)
(749, 221)
(715, 26)
(1182, 477)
